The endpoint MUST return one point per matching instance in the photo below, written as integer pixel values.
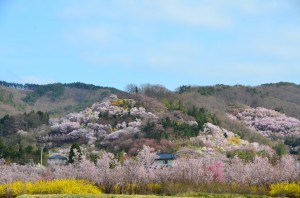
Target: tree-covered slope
(53, 98)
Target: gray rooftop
(59, 157)
(166, 156)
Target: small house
(165, 159)
(57, 160)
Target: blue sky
(168, 42)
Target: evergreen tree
(72, 157)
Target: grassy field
(204, 195)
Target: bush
(63, 186)
(280, 149)
(234, 140)
(285, 189)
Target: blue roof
(59, 157)
(166, 156)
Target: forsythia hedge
(234, 140)
(63, 186)
(285, 189)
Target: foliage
(180, 129)
(292, 141)
(158, 91)
(64, 186)
(206, 91)
(173, 105)
(203, 116)
(12, 124)
(121, 103)
(56, 90)
(234, 140)
(285, 189)
(75, 153)
(80, 85)
(20, 154)
(280, 149)
(183, 88)
(245, 154)
(7, 98)
(53, 91)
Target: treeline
(30, 86)
(19, 154)
(56, 90)
(202, 90)
(18, 85)
(12, 124)
(210, 90)
(53, 91)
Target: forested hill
(240, 119)
(54, 98)
(283, 97)
(61, 98)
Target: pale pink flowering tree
(109, 171)
(288, 169)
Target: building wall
(56, 162)
(162, 163)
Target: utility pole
(42, 156)
(42, 150)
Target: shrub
(64, 186)
(154, 188)
(285, 189)
(234, 140)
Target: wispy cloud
(193, 13)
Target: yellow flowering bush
(63, 186)
(120, 103)
(234, 140)
(132, 188)
(2, 190)
(285, 189)
(153, 188)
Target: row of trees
(139, 175)
(20, 154)
(30, 86)
(53, 91)
(18, 85)
(12, 124)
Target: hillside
(52, 98)
(217, 121)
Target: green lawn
(204, 195)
